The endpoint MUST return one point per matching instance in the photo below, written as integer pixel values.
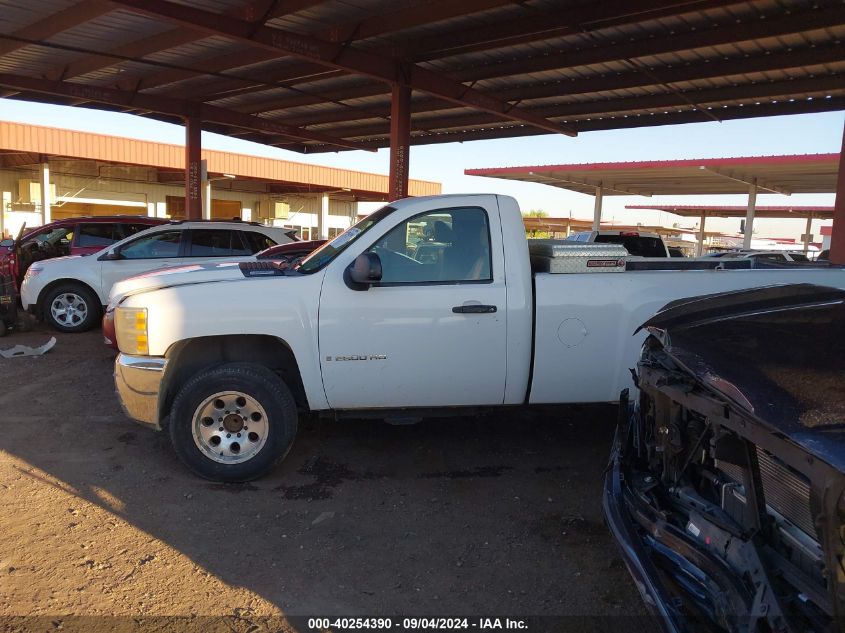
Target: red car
(72, 236)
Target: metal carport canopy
(788, 174)
(808, 213)
(326, 75)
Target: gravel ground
(485, 516)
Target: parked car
(726, 487)
(69, 292)
(360, 327)
(778, 257)
(639, 244)
(71, 236)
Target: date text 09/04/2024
(418, 623)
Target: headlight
(130, 326)
(33, 271)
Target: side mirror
(110, 256)
(363, 272)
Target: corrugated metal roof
(802, 173)
(34, 139)
(534, 56)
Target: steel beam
(618, 123)
(699, 249)
(46, 216)
(837, 239)
(56, 23)
(340, 56)
(193, 168)
(539, 25)
(599, 198)
(635, 79)
(715, 35)
(167, 106)
(400, 141)
(818, 86)
(808, 233)
(749, 216)
(748, 180)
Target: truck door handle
(474, 309)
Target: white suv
(69, 292)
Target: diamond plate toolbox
(559, 257)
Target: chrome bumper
(138, 379)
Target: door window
(155, 246)
(51, 243)
(217, 243)
(444, 246)
(97, 235)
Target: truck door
(432, 332)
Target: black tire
(255, 381)
(76, 322)
(25, 323)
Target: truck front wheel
(234, 422)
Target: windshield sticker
(344, 237)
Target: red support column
(400, 141)
(837, 239)
(193, 176)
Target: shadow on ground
(481, 516)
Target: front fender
(281, 307)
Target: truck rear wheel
(234, 422)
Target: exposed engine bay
(726, 484)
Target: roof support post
(699, 250)
(597, 209)
(837, 238)
(206, 190)
(807, 231)
(45, 193)
(323, 218)
(749, 214)
(193, 168)
(400, 140)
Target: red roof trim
(787, 159)
(827, 230)
(704, 207)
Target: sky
(445, 163)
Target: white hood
(176, 276)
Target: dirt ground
(479, 517)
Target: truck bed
(587, 321)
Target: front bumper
(138, 383)
(634, 553)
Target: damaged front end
(726, 485)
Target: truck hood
(777, 352)
(176, 276)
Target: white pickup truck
(428, 304)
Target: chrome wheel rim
(68, 308)
(230, 427)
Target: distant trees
(535, 232)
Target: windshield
(328, 251)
